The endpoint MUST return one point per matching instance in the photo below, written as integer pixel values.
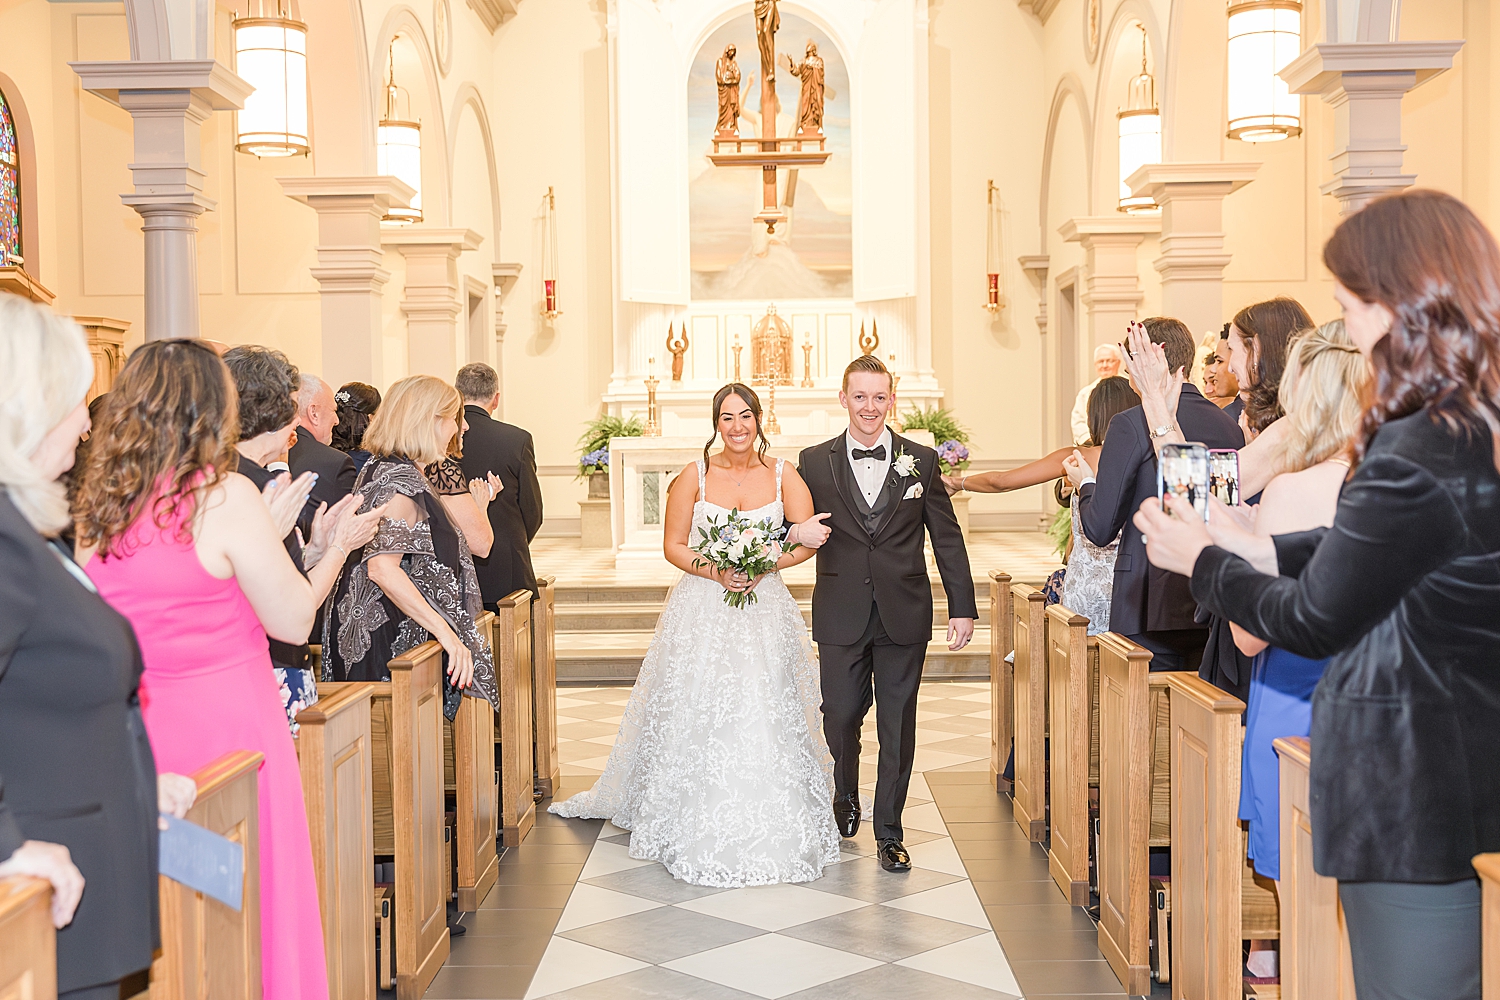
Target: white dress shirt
(1080, 415)
(870, 473)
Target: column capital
(209, 81)
(1165, 181)
(1325, 67)
(1119, 229)
(428, 241)
(349, 194)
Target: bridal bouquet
(737, 543)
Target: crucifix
(766, 151)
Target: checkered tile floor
(574, 917)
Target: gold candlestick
(895, 381)
(653, 417)
(807, 380)
(737, 349)
(772, 427)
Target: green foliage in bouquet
(950, 437)
(1061, 530)
(593, 444)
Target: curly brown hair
(1426, 257)
(171, 420)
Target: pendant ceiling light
(1140, 135)
(398, 147)
(270, 52)
(1264, 35)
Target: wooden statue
(678, 348)
(727, 73)
(767, 23)
(810, 102)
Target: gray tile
(572, 751)
(971, 795)
(882, 932)
(591, 712)
(1027, 869)
(863, 842)
(652, 882)
(622, 839)
(512, 923)
(865, 879)
(480, 982)
(1013, 893)
(587, 730)
(606, 695)
(963, 725)
(948, 776)
(527, 897)
(652, 984)
(555, 854)
(896, 982)
(997, 830)
(994, 850)
(662, 935)
(970, 746)
(1052, 916)
(992, 813)
(1051, 945)
(539, 874)
(1066, 977)
(951, 706)
(562, 833)
(473, 949)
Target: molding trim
(209, 80)
(1042, 9)
(1321, 68)
(494, 12)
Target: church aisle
(573, 917)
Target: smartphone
(1183, 472)
(1224, 475)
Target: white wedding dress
(720, 770)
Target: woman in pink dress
(193, 557)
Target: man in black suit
(1151, 606)
(317, 415)
(872, 605)
(516, 512)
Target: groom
(872, 606)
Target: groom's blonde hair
(866, 363)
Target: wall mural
(809, 253)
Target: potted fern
(593, 450)
(952, 441)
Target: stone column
(505, 275)
(1111, 293)
(1035, 266)
(350, 271)
(169, 102)
(1364, 82)
(1192, 261)
(430, 300)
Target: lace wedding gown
(720, 770)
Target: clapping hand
(1147, 364)
(485, 490)
(323, 522)
(284, 497)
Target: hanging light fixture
(1264, 35)
(398, 147)
(270, 51)
(1140, 135)
(549, 260)
(994, 250)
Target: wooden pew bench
(470, 776)
(1002, 642)
(515, 736)
(334, 753)
(1029, 632)
(1072, 685)
(544, 686)
(28, 942)
(207, 949)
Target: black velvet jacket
(1404, 592)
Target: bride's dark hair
(753, 401)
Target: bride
(720, 771)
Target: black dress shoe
(846, 814)
(893, 857)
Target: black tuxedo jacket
(516, 512)
(1146, 599)
(889, 567)
(283, 654)
(334, 468)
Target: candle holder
(772, 427)
(653, 414)
(737, 349)
(895, 382)
(807, 379)
(550, 311)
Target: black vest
(870, 515)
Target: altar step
(615, 657)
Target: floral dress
(362, 627)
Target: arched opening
(19, 241)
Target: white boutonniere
(904, 464)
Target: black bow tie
(877, 453)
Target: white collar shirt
(870, 473)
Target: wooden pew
(476, 789)
(1488, 867)
(1029, 624)
(28, 943)
(1070, 651)
(1125, 699)
(208, 949)
(512, 634)
(544, 685)
(334, 753)
(1002, 626)
(1315, 960)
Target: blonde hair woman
(415, 580)
(1321, 391)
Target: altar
(642, 468)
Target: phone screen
(1224, 475)
(1183, 471)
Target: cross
(766, 151)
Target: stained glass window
(10, 188)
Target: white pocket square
(914, 493)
